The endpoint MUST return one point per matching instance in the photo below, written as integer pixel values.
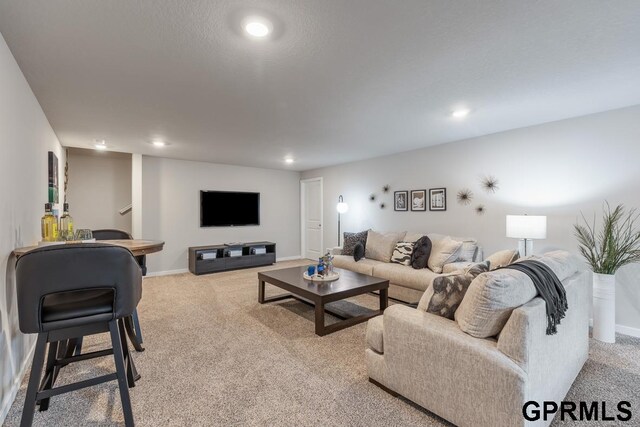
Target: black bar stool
(66, 292)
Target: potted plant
(615, 245)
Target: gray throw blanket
(550, 289)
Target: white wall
(25, 139)
(99, 186)
(171, 208)
(557, 169)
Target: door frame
(303, 194)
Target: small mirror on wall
(438, 199)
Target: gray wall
(557, 169)
(25, 138)
(99, 186)
(171, 207)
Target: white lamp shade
(342, 207)
(527, 226)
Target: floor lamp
(341, 207)
(526, 228)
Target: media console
(213, 258)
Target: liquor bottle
(66, 224)
(49, 225)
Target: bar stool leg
(34, 381)
(121, 373)
(50, 372)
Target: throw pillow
(421, 252)
(380, 246)
(490, 300)
(402, 253)
(443, 252)
(467, 251)
(358, 252)
(503, 258)
(446, 292)
(350, 240)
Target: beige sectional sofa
(484, 381)
(405, 283)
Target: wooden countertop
(136, 246)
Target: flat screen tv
(229, 208)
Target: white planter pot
(604, 307)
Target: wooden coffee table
(319, 294)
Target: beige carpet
(215, 357)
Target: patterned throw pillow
(350, 240)
(402, 253)
(448, 291)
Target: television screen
(229, 208)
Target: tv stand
(214, 258)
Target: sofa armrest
(543, 356)
(452, 267)
(430, 361)
(335, 251)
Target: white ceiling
(338, 81)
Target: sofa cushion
(490, 299)
(421, 253)
(350, 240)
(402, 253)
(374, 334)
(564, 264)
(454, 267)
(358, 252)
(404, 276)
(446, 292)
(443, 251)
(503, 258)
(364, 266)
(380, 245)
(413, 237)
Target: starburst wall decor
(465, 196)
(480, 209)
(490, 184)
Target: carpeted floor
(215, 357)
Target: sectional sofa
(406, 283)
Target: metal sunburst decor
(490, 183)
(386, 188)
(372, 197)
(382, 206)
(480, 210)
(465, 196)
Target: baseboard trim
(289, 258)
(167, 272)
(624, 330)
(15, 387)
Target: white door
(311, 221)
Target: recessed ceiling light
(100, 144)
(460, 113)
(257, 26)
(288, 160)
(158, 143)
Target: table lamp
(341, 207)
(526, 228)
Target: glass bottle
(49, 225)
(66, 224)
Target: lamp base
(525, 247)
